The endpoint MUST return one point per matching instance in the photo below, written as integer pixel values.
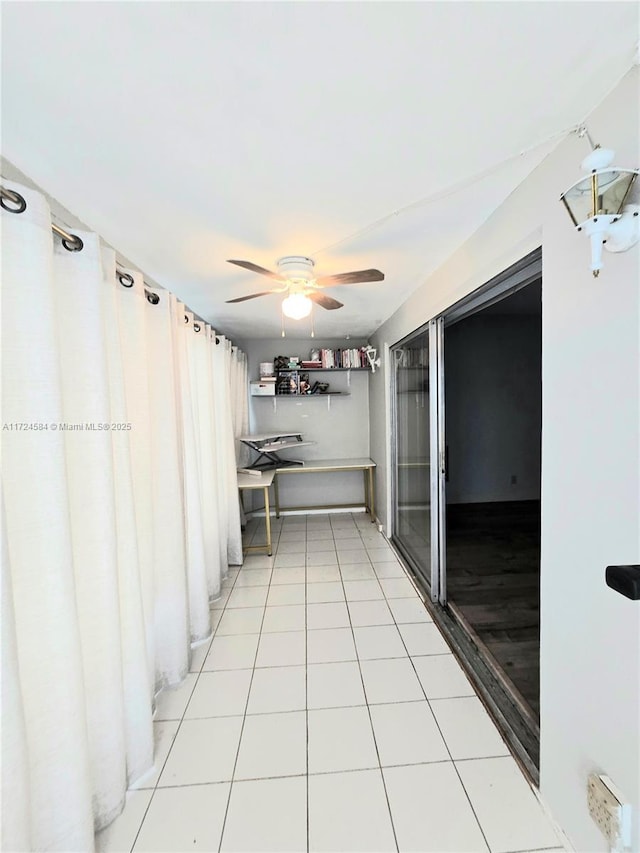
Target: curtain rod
(73, 243)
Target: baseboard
(260, 513)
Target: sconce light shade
(296, 306)
(603, 193)
(371, 353)
(596, 205)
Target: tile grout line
(164, 764)
(373, 734)
(244, 717)
(332, 772)
(453, 761)
(306, 688)
(322, 663)
(424, 692)
(396, 624)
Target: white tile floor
(327, 713)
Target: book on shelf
(354, 357)
(323, 359)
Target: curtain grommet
(196, 327)
(73, 245)
(125, 279)
(14, 198)
(153, 298)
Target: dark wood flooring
(493, 579)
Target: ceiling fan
(295, 276)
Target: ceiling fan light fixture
(296, 268)
(296, 306)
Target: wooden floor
(493, 578)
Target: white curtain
(239, 381)
(122, 515)
(239, 385)
(201, 380)
(147, 340)
(138, 668)
(194, 520)
(225, 443)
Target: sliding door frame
(429, 574)
(522, 737)
(438, 461)
(517, 276)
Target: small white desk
(326, 466)
(249, 483)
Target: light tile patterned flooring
(327, 714)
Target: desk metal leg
(276, 495)
(371, 496)
(366, 489)
(267, 519)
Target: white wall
(339, 426)
(493, 407)
(590, 636)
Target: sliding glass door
(417, 458)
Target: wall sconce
(596, 204)
(371, 353)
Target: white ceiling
(187, 133)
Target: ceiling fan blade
(325, 301)
(356, 277)
(253, 296)
(255, 268)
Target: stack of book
(355, 357)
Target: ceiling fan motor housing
(296, 268)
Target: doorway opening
(493, 427)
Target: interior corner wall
(493, 404)
(338, 425)
(590, 635)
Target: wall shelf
(328, 395)
(289, 378)
(301, 396)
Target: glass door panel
(412, 453)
